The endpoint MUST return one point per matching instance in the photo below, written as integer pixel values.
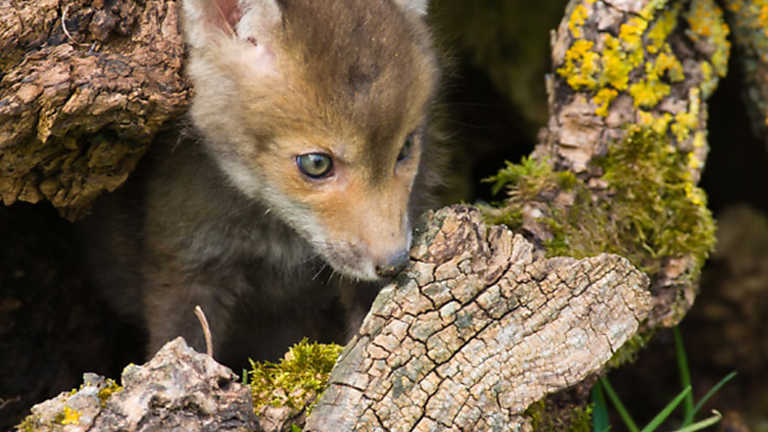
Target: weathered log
(477, 330)
(82, 95)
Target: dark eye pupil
(406, 149)
(315, 165)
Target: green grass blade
(660, 417)
(685, 376)
(702, 424)
(599, 410)
(625, 417)
(712, 391)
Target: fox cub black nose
(396, 263)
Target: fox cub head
(316, 109)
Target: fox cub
(289, 194)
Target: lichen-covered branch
(749, 20)
(477, 330)
(85, 86)
(626, 142)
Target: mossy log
(623, 67)
(484, 323)
(85, 86)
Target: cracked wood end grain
(479, 328)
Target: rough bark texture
(179, 389)
(478, 329)
(77, 111)
(749, 21)
(651, 63)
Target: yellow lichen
(687, 121)
(111, 388)
(576, 21)
(631, 35)
(581, 65)
(667, 63)
(695, 195)
(708, 84)
(659, 124)
(603, 99)
(693, 162)
(69, 417)
(705, 20)
(616, 64)
(649, 10)
(662, 28)
(700, 139)
(648, 92)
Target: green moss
(628, 352)
(655, 211)
(28, 425)
(545, 416)
(531, 177)
(297, 379)
(659, 124)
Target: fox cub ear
(251, 20)
(418, 6)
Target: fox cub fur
(290, 193)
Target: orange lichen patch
(706, 24)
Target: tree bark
(82, 95)
(658, 72)
(749, 22)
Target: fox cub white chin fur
(290, 191)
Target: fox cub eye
(315, 165)
(407, 147)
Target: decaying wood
(478, 330)
(77, 114)
(179, 389)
